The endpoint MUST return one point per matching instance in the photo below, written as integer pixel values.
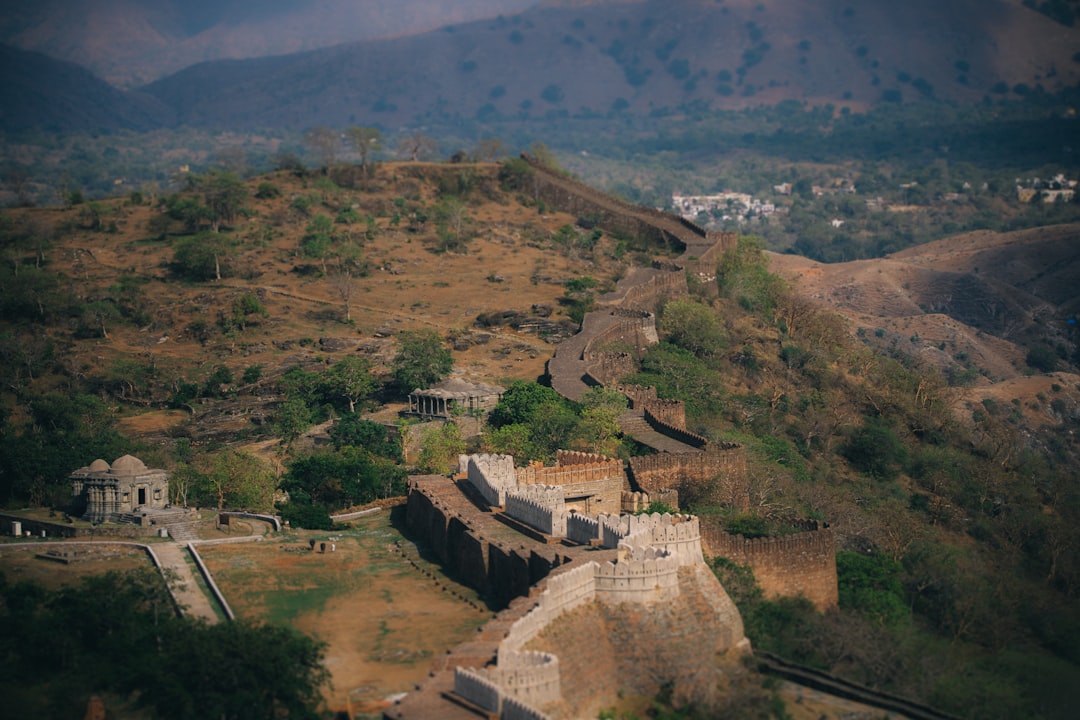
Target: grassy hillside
(207, 330)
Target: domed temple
(104, 493)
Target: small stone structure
(453, 396)
(107, 493)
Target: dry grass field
(383, 618)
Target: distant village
(745, 209)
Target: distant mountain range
(132, 42)
(579, 58)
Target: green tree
(519, 402)
(241, 480)
(421, 361)
(206, 256)
(440, 448)
(598, 430)
(351, 379)
(352, 430)
(876, 450)
(224, 194)
(694, 327)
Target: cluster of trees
(118, 636)
(533, 422)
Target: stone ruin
(651, 552)
(118, 492)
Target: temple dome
(128, 465)
(99, 465)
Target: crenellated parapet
(491, 475)
(540, 506)
(716, 475)
(670, 414)
(572, 474)
(803, 563)
(661, 425)
(564, 458)
(582, 529)
(635, 501)
(640, 575)
(678, 535)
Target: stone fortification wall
(660, 425)
(565, 458)
(720, 469)
(614, 215)
(477, 688)
(452, 527)
(641, 575)
(678, 535)
(516, 710)
(491, 475)
(540, 507)
(650, 294)
(636, 502)
(639, 395)
(784, 565)
(575, 474)
(582, 529)
(636, 330)
(609, 367)
(669, 414)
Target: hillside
(164, 36)
(340, 64)
(972, 305)
(176, 331)
(950, 495)
(640, 58)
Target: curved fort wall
(721, 468)
(784, 565)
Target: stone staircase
(182, 531)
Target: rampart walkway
(569, 368)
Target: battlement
(803, 563)
(676, 534)
(662, 426)
(539, 506)
(718, 474)
(491, 475)
(582, 529)
(640, 575)
(572, 474)
(577, 457)
(635, 501)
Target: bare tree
(324, 142)
(490, 149)
(418, 146)
(365, 142)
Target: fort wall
(718, 473)
(544, 510)
(662, 426)
(491, 475)
(636, 501)
(641, 575)
(784, 565)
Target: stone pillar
(16, 528)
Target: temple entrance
(142, 496)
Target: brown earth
(22, 564)
(384, 611)
(981, 298)
(510, 264)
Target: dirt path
(186, 588)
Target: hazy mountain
(129, 42)
(46, 94)
(644, 57)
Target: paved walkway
(185, 586)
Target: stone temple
(104, 493)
